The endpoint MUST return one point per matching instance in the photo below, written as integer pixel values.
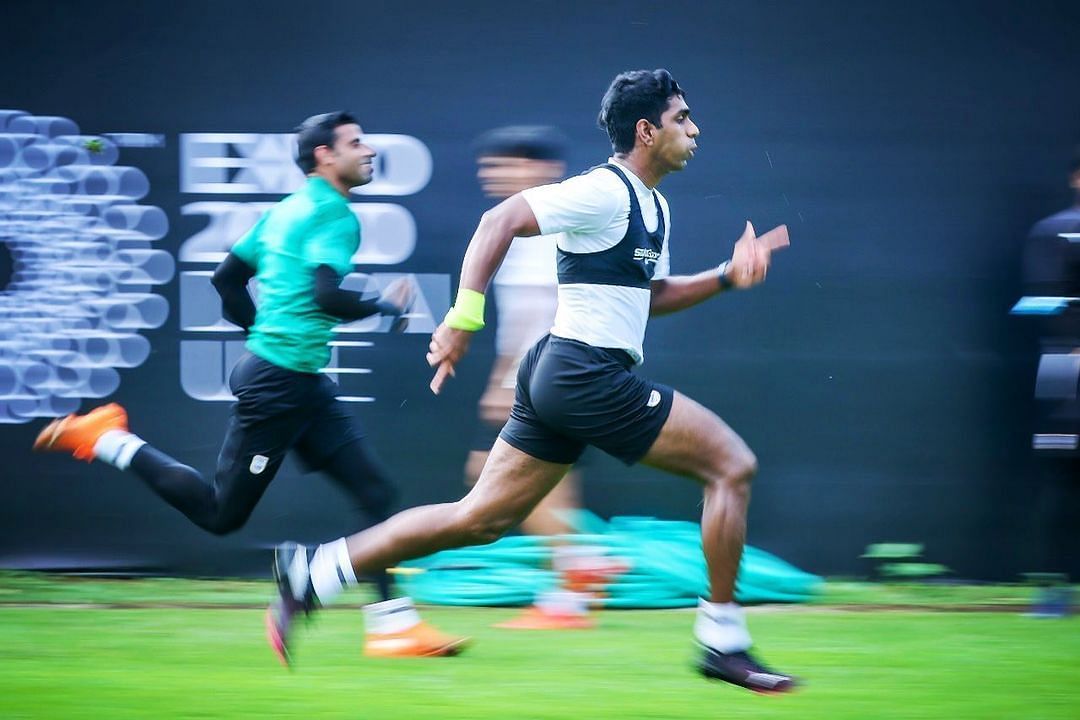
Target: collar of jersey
(319, 188)
(639, 185)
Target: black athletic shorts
(278, 410)
(571, 395)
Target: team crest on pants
(258, 464)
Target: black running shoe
(291, 571)
(740, 668)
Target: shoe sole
(48, 436)
(454, 648)
(449, 650)
(273, 637)
(757, 691)
(273, 633)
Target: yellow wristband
(468, 311)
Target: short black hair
(532, 142)
(315, 131)
(633, 95)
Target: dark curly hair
(632, 96)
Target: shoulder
(604, 178)
(597, 188)
(335, 213)
(1064, 221)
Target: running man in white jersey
(575, 387)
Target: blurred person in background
(509, 160)
(1051, 270)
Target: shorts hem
(531, 452)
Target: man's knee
(222, 518)
(488, 530)
(737, 468)
(482, 528)
(379, 501)
(224, 523)
(746, 465)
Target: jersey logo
(646, 255)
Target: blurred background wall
(878, 375)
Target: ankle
(722, 627)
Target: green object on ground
(901, 560)
(666, 568)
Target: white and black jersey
(575, 386)
(613, 244)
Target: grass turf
(35, 588)
(74, 662)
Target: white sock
(117, 447)
(562, 602)
(331, 570)
(390, 616)
(722, 627)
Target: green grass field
(64, 656)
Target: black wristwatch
(726, 283)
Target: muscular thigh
(512, 483)
(695, 442)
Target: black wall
(877, 374)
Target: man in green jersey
(299, 251)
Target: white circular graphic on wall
(82, 266)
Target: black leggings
(224, 505)
(277, 410)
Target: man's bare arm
(497, 229)
(679, 292)
(748, 266)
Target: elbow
(218, 281)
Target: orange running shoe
(77, 434)
(421, 640)
(534, 618)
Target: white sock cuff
(729, 611)
(390, 616)
(562, 602)
(722, 627)
(340, 552)
(117, 447)
(123, 458)
(331, 570)
(389, 606)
